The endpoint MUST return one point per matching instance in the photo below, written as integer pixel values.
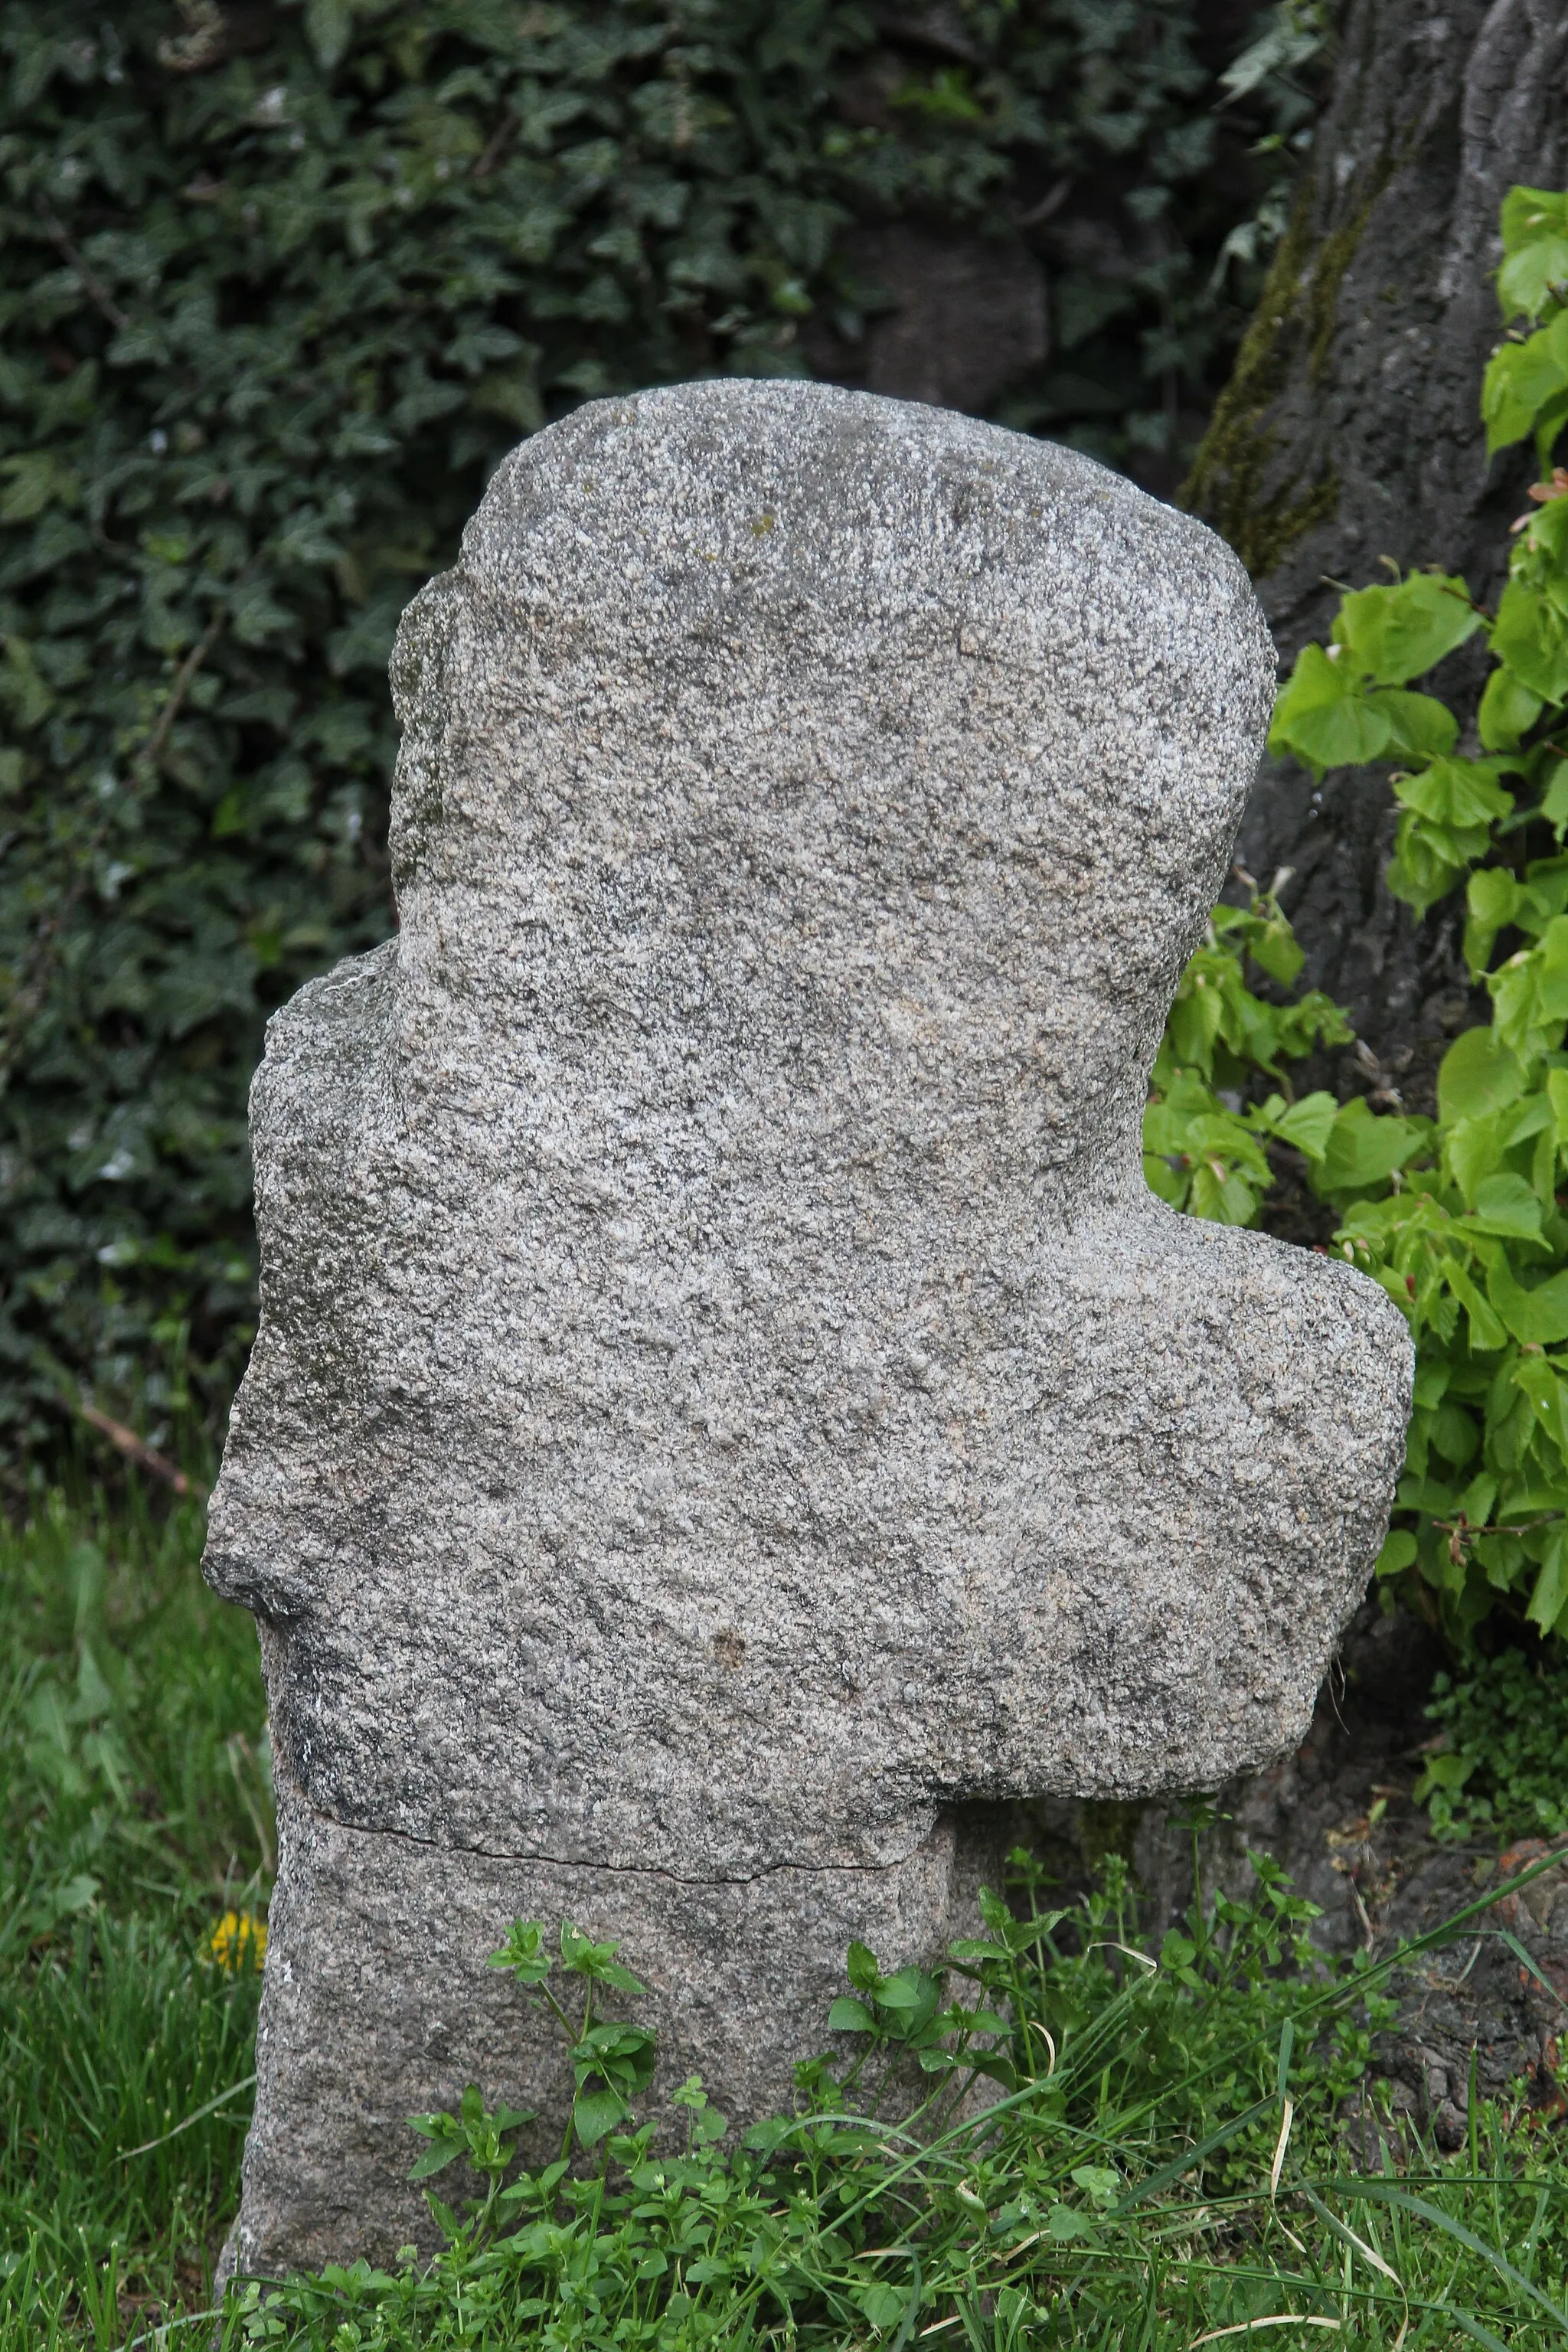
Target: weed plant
(1504, 1773)
(1463, 1220)
(1166, 2162)
(1166, 2156)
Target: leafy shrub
(1460, 1218)
(279, 287)
(1504, 1772)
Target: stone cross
(727, 1409)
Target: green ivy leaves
(271, 315)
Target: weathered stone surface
(384, 1994)
(725, 1396)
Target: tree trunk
(1350, 432)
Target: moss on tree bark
(1349, 436)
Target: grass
(1167, 2162)
(1172, 2169)
(134, 1812)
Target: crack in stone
(618, 1869)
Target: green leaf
(860, 1967)
(1322, 714)
(883, 2306)
(523, 1953)
(1398, 1553)
(1509, 709)
(22, 690)
(1064, 2225)
(1429, 860)
(1308, 1124)
(1549, 1601)
(1442, 1772)
(1420, 726)
(1492, 899)
(329, 27)
(1522, 380)
(1506, 1205)
(1538, 1318)
(850, 2016)
(619, 1980)
(33, 482)
(904, 1991)
(1167, 1183)
(1098, 2181)
(447, 2144)
(1477, 1075)
(596, 2112)
(1459, 793)
(1273, 947)
(1221, 1192)
(1363, 1148)
(1530, 639)
(584, 1958)
(1399, 633)
(1535, 250)
(1487, 1330)
(1530, 994)
(1554, 799)
(1473, 1151)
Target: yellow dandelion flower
(238, 1941)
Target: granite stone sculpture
(727, 1410)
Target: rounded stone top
(832, 507)
(900, 725)
(841, 533)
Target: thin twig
(495, 146)
(94, 287)
(1051, 202)
(153, 751)
(136, 1449)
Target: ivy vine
(278, 285)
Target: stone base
(379, 2004)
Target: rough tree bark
(1349, 432)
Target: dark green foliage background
(277, 287)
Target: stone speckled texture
(725, 1399)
